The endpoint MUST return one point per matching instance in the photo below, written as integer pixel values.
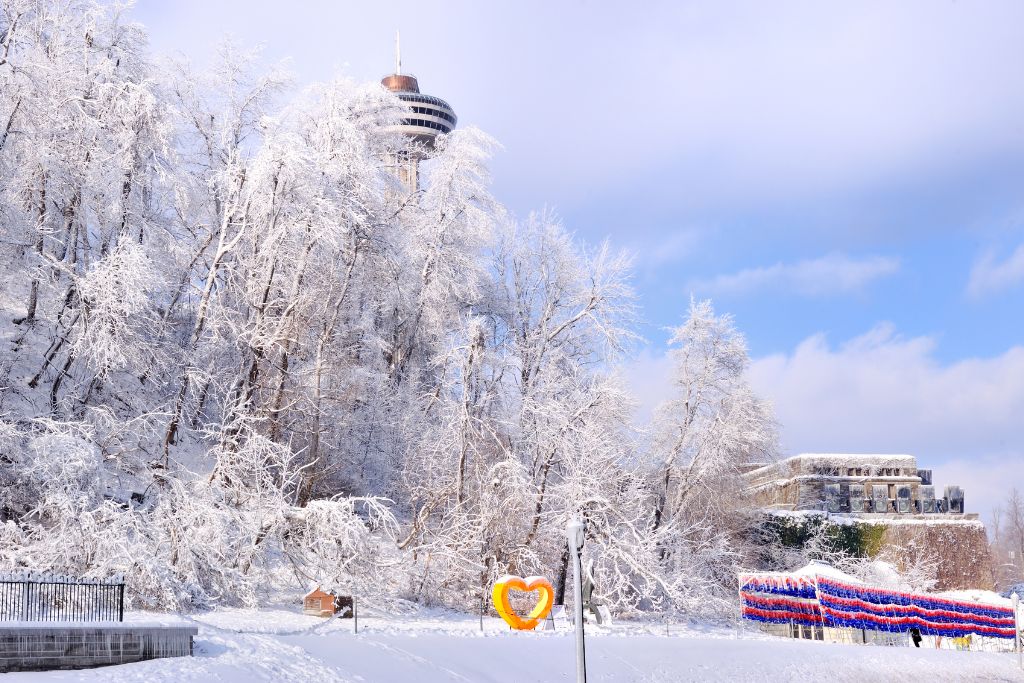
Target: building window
(433, 112)
(421, 123)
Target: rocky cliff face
(960, 548)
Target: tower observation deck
(428, 117)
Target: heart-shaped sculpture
(500, 596)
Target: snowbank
(236, 646)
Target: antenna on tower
(398, 53)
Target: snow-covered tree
(701, 438)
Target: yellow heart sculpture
(531, 583)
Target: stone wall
(961, 549)
(40, 647)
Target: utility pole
(575, 536)
(1016, 628)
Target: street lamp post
(575, 536)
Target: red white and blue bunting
(784, 598)
(780, 599)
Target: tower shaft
(427, 117)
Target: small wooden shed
(319, 603)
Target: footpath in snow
(236, 646)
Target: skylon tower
(428, 117)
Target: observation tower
(428, 117)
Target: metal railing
(36, 596)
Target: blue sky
(846, 179)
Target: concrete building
(882, 505)
(428, 117)
(870, 484)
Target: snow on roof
(821, 569)
(38, 576)
(978, 595)
(900, 519)
(892, 519)
(843, 458)
(781, 512)
(836, 460)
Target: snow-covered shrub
(344, 542)
(64, 464)
(114, 328)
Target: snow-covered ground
(281, 645)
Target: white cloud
(882, 393)
(649, 377)
(728, 102)
(986, 480)
(652, 253)
(831, 274)
(672, 248)
(990, 275)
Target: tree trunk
(224, 246)
(563, 573)
(33, 294)
(7, 128)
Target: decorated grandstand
(816, 597)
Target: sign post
(575, 536)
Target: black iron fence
(34, 596)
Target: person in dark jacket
(915, 635)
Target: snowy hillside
(238, 353)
